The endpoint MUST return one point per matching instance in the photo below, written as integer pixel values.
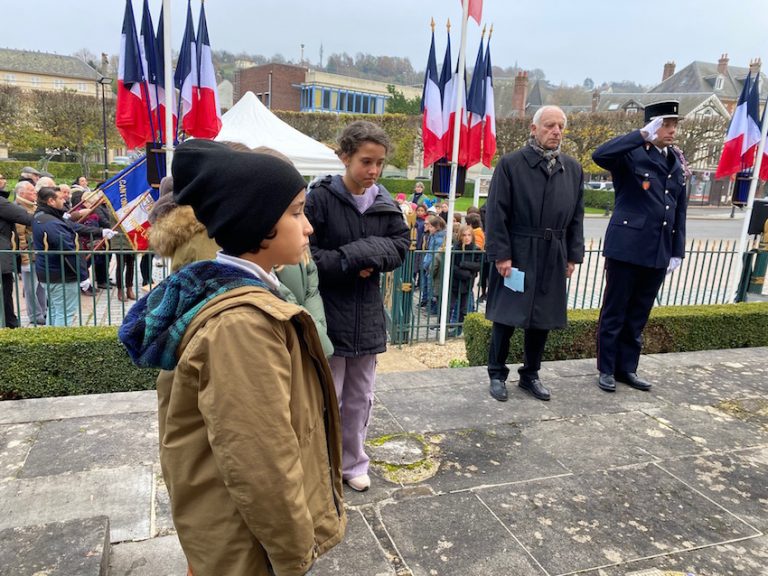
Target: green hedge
(40, 362)
(598, 198)
(670, 329)
(63, 172)
(404, 185)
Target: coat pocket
(628, 220)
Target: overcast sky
(574, 39)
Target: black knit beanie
(238, 196)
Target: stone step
(77, 547)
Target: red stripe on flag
(730, 160)
(131, 117)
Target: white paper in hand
(515, 281)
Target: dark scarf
(550, 156)
(51, 210)
(154, 326)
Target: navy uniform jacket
(648, 223)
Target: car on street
(597, 185)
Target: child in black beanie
(249, 425)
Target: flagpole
(169, 90)
(446, 288)
(748, 214)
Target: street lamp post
(104, 81)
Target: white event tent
(249, 122)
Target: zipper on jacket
(359, 289)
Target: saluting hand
(649, 130)
(504, 267)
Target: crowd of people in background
(427, 220)
(43, 220)
(111, 265)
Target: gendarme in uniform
(645, 238)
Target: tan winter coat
(180, 236)
(24, 233)
(250, 444)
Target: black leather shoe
(606, 382)
(535, 387)
(498, 390)
(632, 379)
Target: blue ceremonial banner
(132, 198)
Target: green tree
(399, 104)
(72, 120)
(10, 113)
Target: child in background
(418, 193)
(417, 235)
(465, 266)
(475, 222)
(430, 268)
(250, 441)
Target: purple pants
(354, 380)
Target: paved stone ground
(589, 483)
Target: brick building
(301, 89)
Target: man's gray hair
(22, 186)
(46, 182)
(537, 116)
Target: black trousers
(145, 266)
(9, 313)
(125, 262)
(101, 268)
(533, 350)
(627, 301)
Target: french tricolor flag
(743, 134)
(431, 108)
(489, 125)
(147, 48)
(446, 88)
(185, 76)
(132, 112)
(449, 109)
(476, 109)
(205, 121)
(160, 73)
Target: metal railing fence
(41, 297)
(703, 278)
(411, 293)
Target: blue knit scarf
(154, 326)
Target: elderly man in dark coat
(535, 223)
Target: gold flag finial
(490, 32)
(448, 25)
(432, 25)
(482, 34)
